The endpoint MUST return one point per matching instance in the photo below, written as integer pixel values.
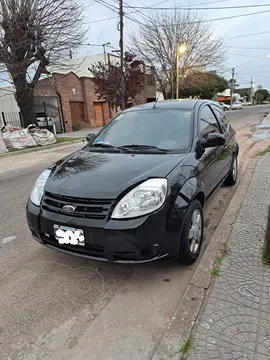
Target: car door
(212, 162)
(229, 134)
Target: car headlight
(144, 199)
(38, 189)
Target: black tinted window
(220, 116)
(167, 129)
(208, 122)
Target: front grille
(89, 250)
(85, 208)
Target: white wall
(8, 103)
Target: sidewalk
(234, 322)
(80, 133)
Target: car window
(222, 118)
(208, 122)
(168, 129)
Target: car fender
(188, 191)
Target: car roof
(185, 104)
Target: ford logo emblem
(69, 208)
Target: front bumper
(137, 240)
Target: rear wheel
(232, 177)
(192, 234)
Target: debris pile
(18, 138)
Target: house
(225, 96)
(69, 90)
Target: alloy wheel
(195, 231)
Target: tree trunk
(25, 101)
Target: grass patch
(266, 259)
(68, 139)
(224, 251)
(265, 151)
(215, 271)
(13, 150)
(185, 348)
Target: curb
(40, 148)
(181, 326)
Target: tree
(204, 85)
(33, 35)
(232, 83)
(157, 39)
(107, 80)
(261, 94)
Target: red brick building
(76, 98)
(72, 94)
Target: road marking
(8, 239)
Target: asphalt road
(55, 306)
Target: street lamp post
(181, 49)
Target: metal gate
(10, 118)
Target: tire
(232, 176)
(185, 254)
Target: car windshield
(164, 129)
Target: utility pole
(104, 51)
(121, 44)
(177, 74)
(251, 92)
(232, 85)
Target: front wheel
(232, 176)
(192, 234)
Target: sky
(246, 52)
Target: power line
(101, 20)
(251, 56)
(88, 44)
(108, 5)
(209, 20)
(246, 35)
(249, 48)
(199, 8)
(251, 60)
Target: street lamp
(181, 49)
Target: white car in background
(225, 107)
(237, 106)
(247, 103)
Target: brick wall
(72, 88)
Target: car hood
(106, 175)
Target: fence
(10, 118)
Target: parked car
(237, 106)
(265, 102)
(136, 192)
(225, 107)
(247, 103)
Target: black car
(136, 191)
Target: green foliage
(215, 271)
(185, 348)
(261, 95)
(204, 85)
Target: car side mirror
(90, 137)
(213, 140)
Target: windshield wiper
(107, 146)
(142, 147)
